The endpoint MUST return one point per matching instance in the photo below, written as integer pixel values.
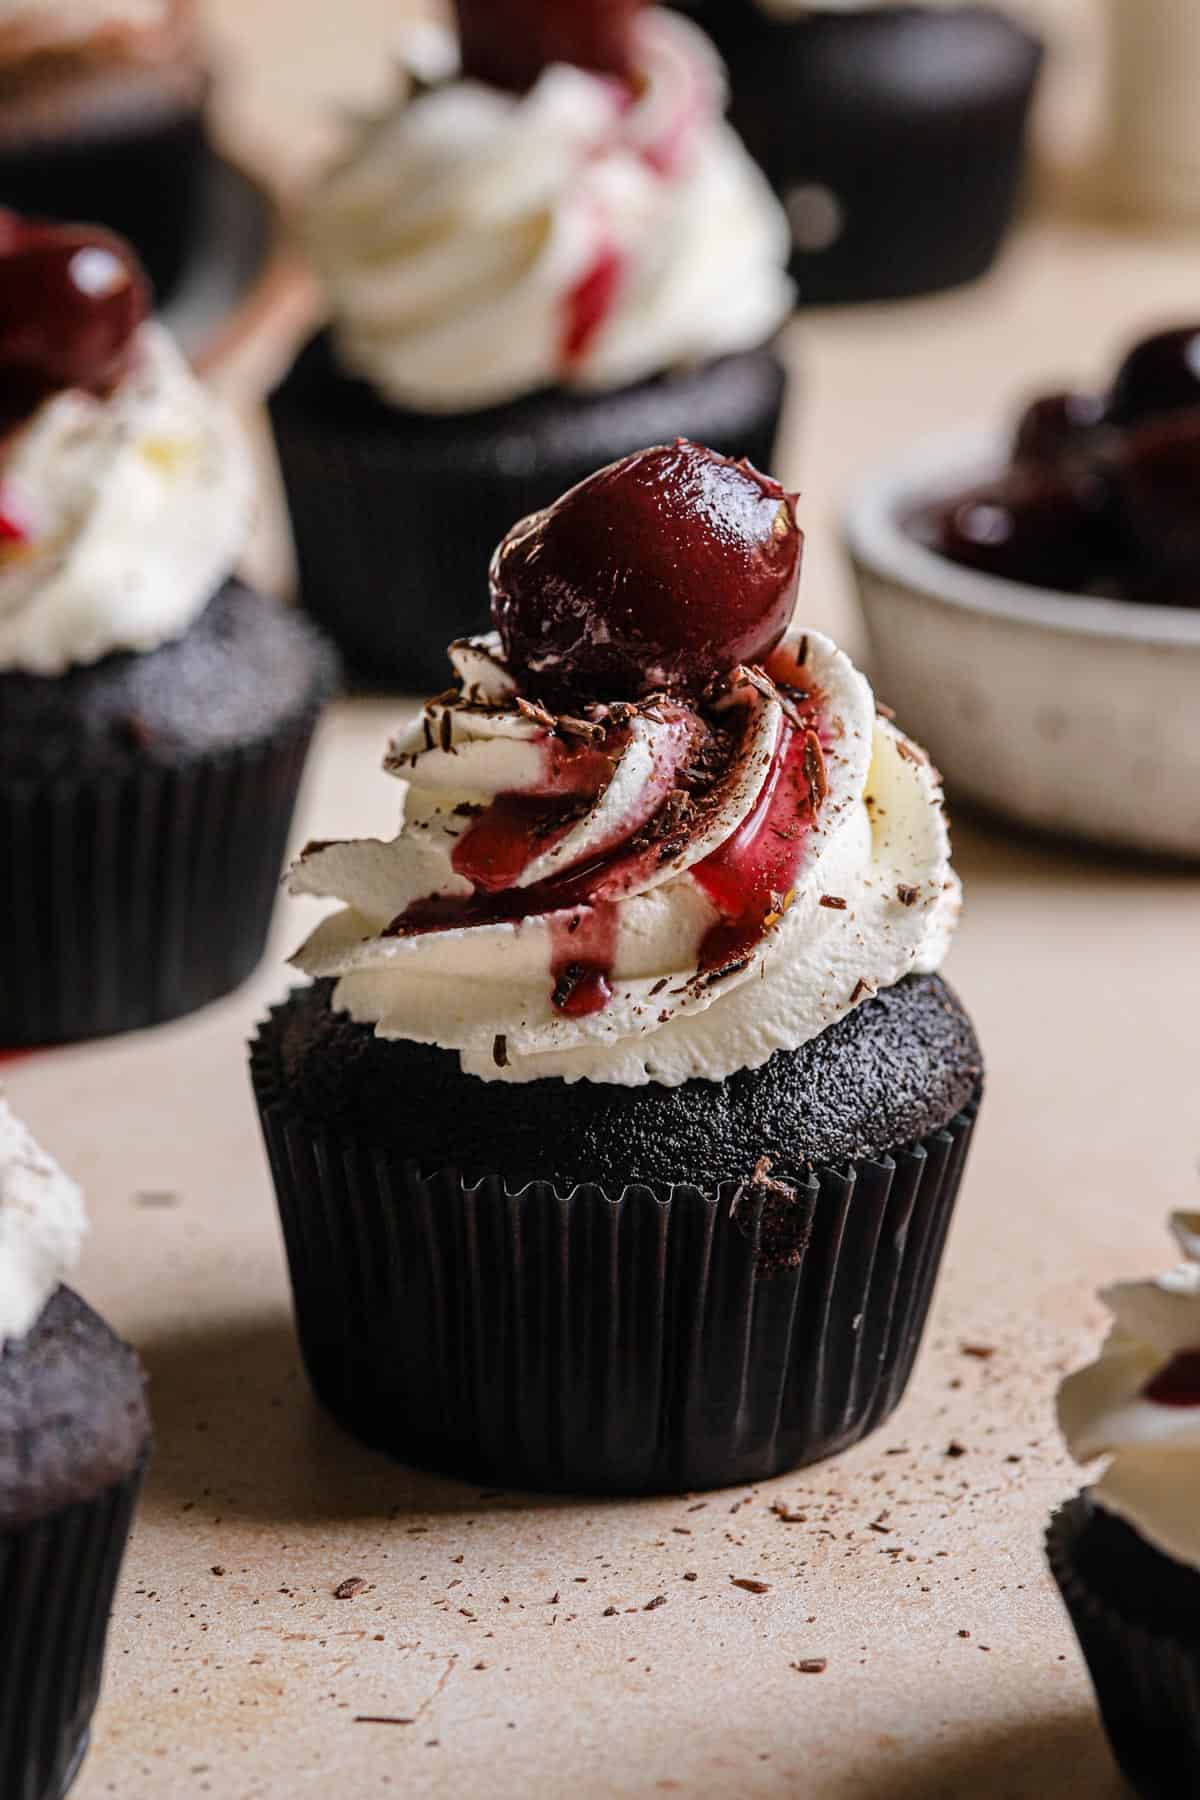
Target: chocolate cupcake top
(567, 207)
(646, 837)
(1139, 1403)
(125, 487)
(42, 1224)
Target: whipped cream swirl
(1139, 1403)
(120, 516)
(478, 245)
(42, 1224)
(644, 894)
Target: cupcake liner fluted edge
(57, 1580)
(657, 1341)
(1147, 1683)
(130, 899)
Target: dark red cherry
(508, 43)
(1030, 525)
(1057, 425)
(1179, 1383)
(660, 571)
(1161, 374)
(1156, 477)
(71, 298)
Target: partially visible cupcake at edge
(617, 1137)
(74, 1438)
(1126, 1552)
(102, 117)
(548, 252)
(893, 132)
(155, 714)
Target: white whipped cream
(135, 506)
(1153, 1477)
(456, 230)
(879, 845)
(42, 1224)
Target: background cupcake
(102, 117)
(74, 1436)
(155, 714)
(533, 264)
(622, 1153)
(1126, 1553)
(893, 133)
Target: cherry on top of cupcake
(71, 300)
(507, 43)
(663, 571)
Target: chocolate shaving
(910, 752)
(811, 1665)
(448, 697)
(802, 650)
(533, 709)
(428, 730)
(653, 1605)
(749, 1585)
(500, 1050)
(315, 846)
(814, 769)
(659, 985)
(833, 901)
(907, 895)
(861, 989)
(446, 732)
(346, 1590)
(580, 728)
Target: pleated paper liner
(396, 515)
(1147, 1683)
(654, 1342)
(130, 899)
(57, 1580)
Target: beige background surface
(918, 1575)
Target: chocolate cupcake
(535, 263)
(893, 133)
(1126, 1552)
(155, 714)
(74, 1438)
(617, 1139)
(102, 117)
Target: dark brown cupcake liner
(1147, 1683)
(133, 898)
(395, 515)
(57, 1579)
(658, 1341)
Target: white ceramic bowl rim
(878, 541)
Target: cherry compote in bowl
(1033, 607)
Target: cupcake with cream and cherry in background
(102, 117)
(1126, 1552)
(155, 714)
(74, 1440)
(617, 1136)
(551, 251)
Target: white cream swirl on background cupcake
(122, 513)
(31, 28)
(728, 881)
(42, 1225)
(476, 245)
(1139, 1404)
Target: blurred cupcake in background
(1126, 1552)
(893, 133)
(155, 714)
(102, 117)
(541, 256)
(74, 1439)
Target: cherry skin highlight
(507, 43)
(661, 571)
(71, 298)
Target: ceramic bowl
(1077, 716)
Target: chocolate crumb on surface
(954, 1448)
(500, 1050)
(834, 902)
(653, 1605)
(750, 1585)
(906, 894)
(981, 1352)
(346, 1590)
(811, 1665)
